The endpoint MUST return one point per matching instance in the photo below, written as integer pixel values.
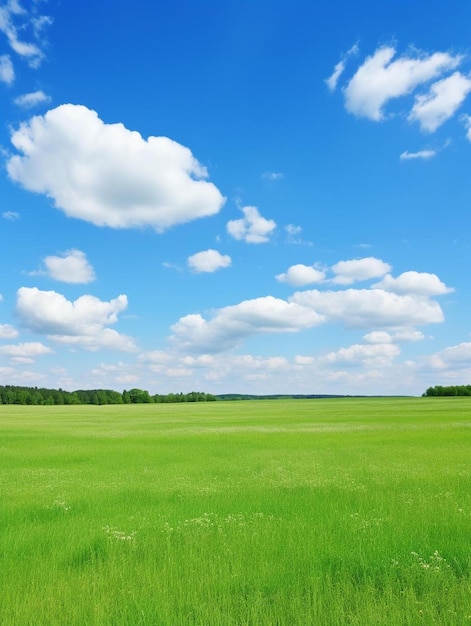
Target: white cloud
(441, 102)
(340, 68)
(371, 355)
(408, 335)
(32, 99)
(273, 175)
(252, 228)
(11, 215)
(13, 20)
(467, 122)
(208, 261)
(454, 357)
(7, 71)
(292, 229)
(378, 336)
(417, 283)
(108, 175)
(348, 272)
(83, 322)
(379, 79)
(299, 275)
(366, 308)
(24, 352)
(7, 331)
(71, 267)
(233, 323)
(420, 154)
(403, 335)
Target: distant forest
(451, 390)
(10, 394)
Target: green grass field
(296, 513)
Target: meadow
(251, 513)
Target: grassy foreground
(296, 513)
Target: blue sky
(255, 197)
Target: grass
(323, 512)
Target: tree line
(12, 394)
(450, 390)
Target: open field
(296, 513)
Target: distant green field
(260, 513)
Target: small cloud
(273, 175)
(441, 102)
(82, 323)
(300, 275)
(417, 283)
(421, 154)
(7, 71)
(208, 261)
(30, 100)
(25, 352)
(339, 68)
(7, 331)
(11, 215)
(348, 272)
(71, 267)
(466, 119)
(252, 228)
(380, 79)
(293, 230)
(15, 20)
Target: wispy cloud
(339, 68)
(380, 79)
(11, 215)
(30, 100)
(7, 71)
(273, 175)
(420, 154)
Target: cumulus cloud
(348, 272)
(420, 154)
(71, 266)
(441, 102)
(232, 324)
(403, 335)
(7, 331)
(108, 175)
(417, 283)
(32, 99)
(378, 336)
(371, 355)
(454, 357)
(24, 352)
(300, 275)
(80, 323)
(208, 261)
(380, 79)
(366, 308)
(252, 228)
(7, 71)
